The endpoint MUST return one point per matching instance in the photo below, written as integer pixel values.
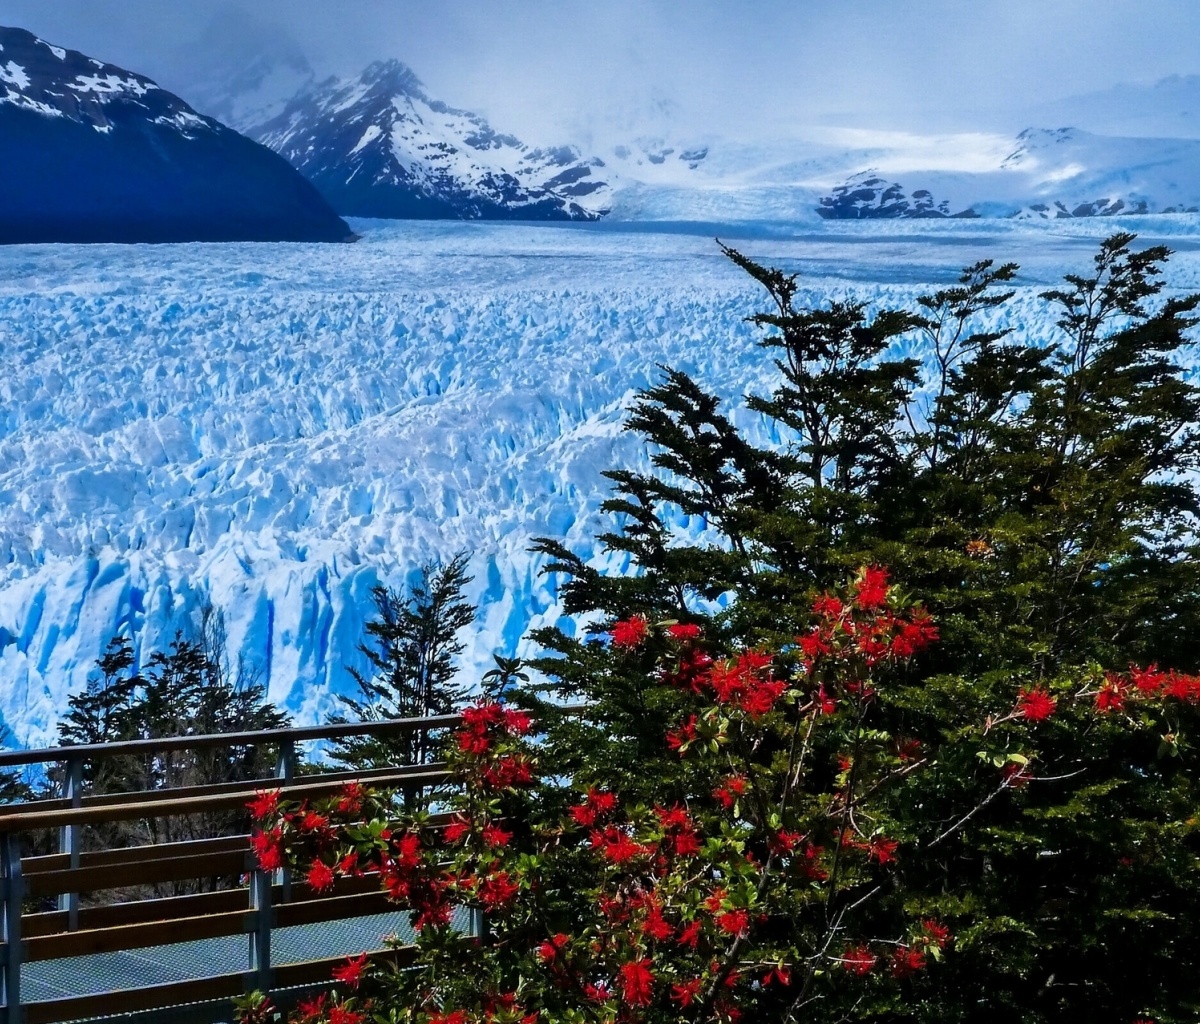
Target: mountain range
(93, 152)
(273, 152)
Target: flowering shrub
(780, 874)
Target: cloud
(541, 67)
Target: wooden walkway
(180, 958)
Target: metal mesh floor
(184, 961)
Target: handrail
(28, 821)
(264, 737)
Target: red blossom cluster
(866, 625)
(646, 928)
(906, 958)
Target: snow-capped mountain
(93, 152)
(379, 146)
(1049, 174)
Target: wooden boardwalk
(180, 958)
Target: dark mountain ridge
(96, 153)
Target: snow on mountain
(93, 152)
(1046, 174)
(1049, 174)
(379, 146)
(277, 428)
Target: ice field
(276, 428)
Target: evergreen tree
(188, 689)
(411, 647)
(1040, 499)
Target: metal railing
(258, 903)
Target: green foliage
(412, 645)
(189, 689)
(1039, 498)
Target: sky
(736, 68)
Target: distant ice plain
(277, 428)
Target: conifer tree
(411, 647)
(1041, 499)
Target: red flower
(637, 982)
(871, 587)
(682, 736)
(1111, 696)
(935, 933)
(268, 848)
(727, 794)
(689, 934)
(780, 974)
(313, 822)
(597, 993)
(1015, 775)
(495, 836)
(630, 632)
(881, 850)
(320, 876)
(814, 644)
(655, 927)
(351, 972)
(1148, 680)
(686, 991)
(826, 705)
(408, 850)
(264, 804)
(828, 607)
(617, 847)
(343, 1015)
(449, 1017)
(351, 797)
(456, 830)
(312, 1008)
(907, 961)
(762, 697)
(1035, 705)
(348, 865)
(859, 960)
(594, 804)
(497, 891)
(735, 922)
(684, 631)
(517, 722)
(548, 950)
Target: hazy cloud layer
(542, 68)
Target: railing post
(260, 937)
(285, 769)
(69, 837)
(14, 897)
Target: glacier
(275, 428)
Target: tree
(189, 689)
(411, 647)
(1038, 497)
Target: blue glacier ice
(275, 428)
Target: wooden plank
(262, 737)
(115, 876)
(169, 807)
(316, 972)
(134, 854)
(138, 936)
(148, 997)
(137, 911)
(333, 908)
